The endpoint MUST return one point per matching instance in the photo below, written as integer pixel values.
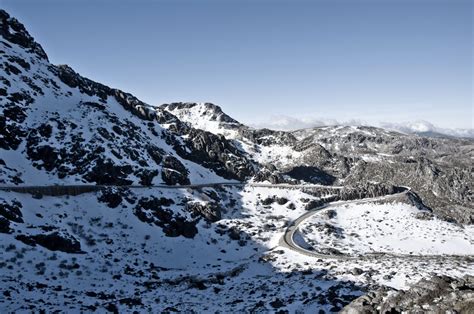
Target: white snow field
(390, 228)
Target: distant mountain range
(422, 128)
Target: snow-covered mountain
(205, 116)
(439, 169)
(59, 127)
(111, 204)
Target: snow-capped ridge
(204, 116)
(200, 110)
(60, 127)
(14, 31)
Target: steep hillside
(59, 127)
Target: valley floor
(139, 251)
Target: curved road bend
(287, 240)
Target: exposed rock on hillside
(439, 294)
(73, 129)
(54, 241)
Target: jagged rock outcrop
(311, 175)
(12, 30)
(55, 241)
(210, 211)
(174, 172)
(11, 210)
(446, 188)
(207, 111)
(439, 294)
(154, 211)
(216, 153)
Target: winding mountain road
(287, 240)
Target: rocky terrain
(439, 169)
(111, 204)
(439, 294)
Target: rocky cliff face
(439, 169)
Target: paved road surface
(287, 240)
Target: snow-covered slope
(60, 127)
(146, 250)
(390, 228)
(162, 250)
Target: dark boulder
(111, 196)
(180, 227)
(313, 204)
(174, 172)
(209, 211)
(147, 176)
(53, 241)
(155, 153)
(268, 201)
(281, 200)
(11, 210)
(277, 303)
(108, 173)
(5, 225)
(47, 154)
(152, 210)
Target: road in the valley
(287, 239)
(165, 186)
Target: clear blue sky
(380, 60)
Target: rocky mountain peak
(12, 30)
(204, 116)
(206, 110)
